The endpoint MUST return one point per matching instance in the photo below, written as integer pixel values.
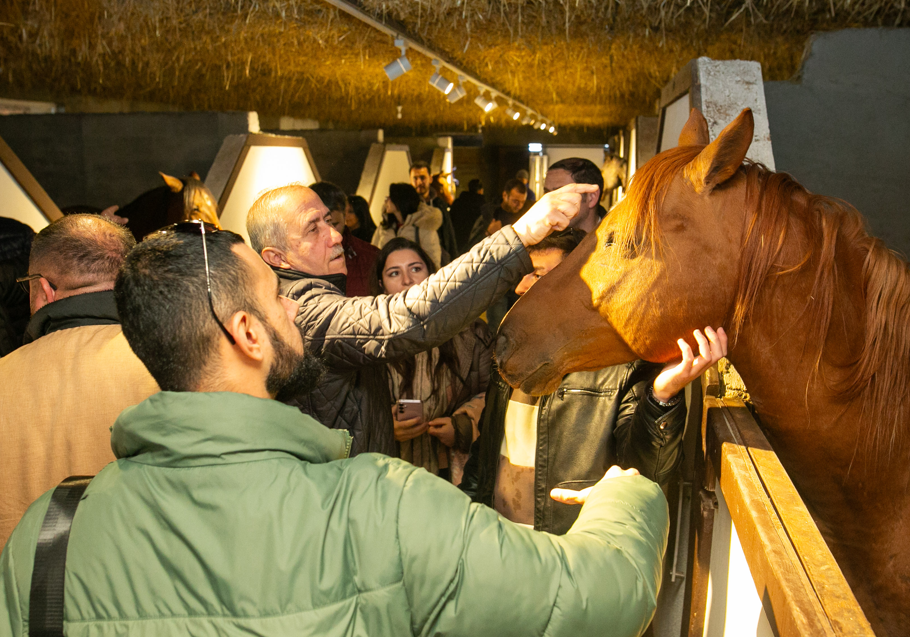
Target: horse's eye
(609, 241)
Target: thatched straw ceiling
(584, 63)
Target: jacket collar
(340, 281)
(183, 429)
(91, 308)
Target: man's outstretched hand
(554, 211)
(569, 496)
(712, 346)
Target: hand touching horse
(818, 315)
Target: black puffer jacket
(355, 337)
(593, 421)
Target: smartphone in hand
(408, 408)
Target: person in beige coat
(61, 391)
(407, 215)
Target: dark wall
(843, 128)
(339, 155)
(106, 159)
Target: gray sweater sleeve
(352, 332)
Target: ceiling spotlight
(437, 81)
(525, 120)
(542, 126)
(458, 92)
(486, 104)
(402, 65)
(511, 112)
(552, 129)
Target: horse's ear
(722, 158)
(695, 132)
(195, 175)
(173, 183)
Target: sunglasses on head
(24, 282)
(200, 228)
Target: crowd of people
(256, 418)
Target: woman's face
(350, 218)
(403, 269)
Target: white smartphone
(408, 408)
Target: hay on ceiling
(589, 64)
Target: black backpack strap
(45, 611)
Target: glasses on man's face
(201, 228)
(25, 281)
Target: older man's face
(420, 179)
(314, 246)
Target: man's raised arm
(357, 331)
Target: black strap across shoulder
(45, 611)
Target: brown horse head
(198, 202)
(617, 292)
(178, 200)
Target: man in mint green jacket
(230, 513)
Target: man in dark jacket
(466, 209)
(291, 229)
(632, 415)
(494, 216)
(421, 180)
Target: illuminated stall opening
(249, 165)
(23, 197)
(386, 164)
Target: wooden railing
(801, 588)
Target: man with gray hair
(291, 230)
(61, 391)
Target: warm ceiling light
(484, 103)
(511, 112)
(543, 126)
(402, 65)
(552, 129)
(437, 81)
(458, 92)
(441, 83)
(525, 120)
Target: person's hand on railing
(554, 211)
(570, 496)
(712, 346)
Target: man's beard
(291, 373)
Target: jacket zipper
(560, 393)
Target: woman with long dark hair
(450, 380)
(358, 219)
(407, 215)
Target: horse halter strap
(45, 609)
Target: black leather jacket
(593, 421)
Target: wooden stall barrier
(801, 588)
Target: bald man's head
(76, 254)
(291, 229)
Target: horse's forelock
(637, 218)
